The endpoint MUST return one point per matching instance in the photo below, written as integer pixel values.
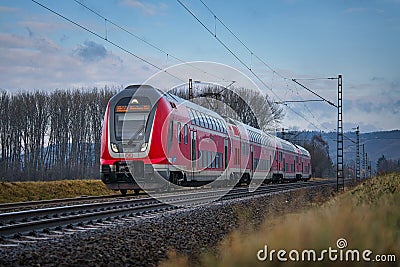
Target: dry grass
(29, 191)
(368, 217)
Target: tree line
(51, 135)
(385, 165)
(57, 135)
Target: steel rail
(33, 220)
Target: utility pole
(370, 169)
(339, 158)
(190, 89)
(283, 133)
(363, 162)
(358, 154)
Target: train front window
(130, 126)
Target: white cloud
(363, 10)
(147, 8)
(39, 63)
(6, 9)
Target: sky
(128, 41)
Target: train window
(197, 117)
(219, 123)
(199, 158)
(191, 116)
(185, 134)
(201, 121)
(178, 130)
(214, 124)
(280, 156)
(223, 127)
(205, 120)
(208, 124)
(170, 133)
(128, 123)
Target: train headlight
(114, 148)
(144, 147)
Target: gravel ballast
(147, 240)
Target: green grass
(368, 217)
(29, 191)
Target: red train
(152, 139)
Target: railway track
(18, 206)
(30, 222)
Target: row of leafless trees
(48, 136)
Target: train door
(225, 153)
(251, 159)
(226, 159)
(193, 151)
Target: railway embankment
(40, 190)
(365, 219)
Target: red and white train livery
(151, 137)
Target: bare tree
(246, 105)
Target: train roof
(303, 151)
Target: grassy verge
(29, 191)
(368, 217)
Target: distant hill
(376, 144)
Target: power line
(308, 89)
(106, 20)
(105, 39)
(300, 101)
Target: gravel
(145, 241)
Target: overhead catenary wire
(249, 68)
(106, 39)
(159, 49)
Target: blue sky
(298, 38)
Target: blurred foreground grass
(368, 217)
(29, 191)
